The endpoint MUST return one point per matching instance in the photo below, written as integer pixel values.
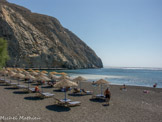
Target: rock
(40, 41)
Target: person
(43, 82)
(123, 87)
(36, 89)
(93, 83)
(76, 90)
(155, 85)
(67, 88)
(107, 95)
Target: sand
(125, 106)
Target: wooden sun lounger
(82, 91)
(67, 103)
(21, 86)
(87, 92)
(45, 94)
(10, 83)
(99, 96)
(2, 80)
(31, 89)
(73, 103)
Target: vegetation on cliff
(3, 52)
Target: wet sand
(125, 106)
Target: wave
(136, 68)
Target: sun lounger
(86, 92)
(73, 103)
(75, 91)
(7, 82)
(10, 83)
(67, 100)
(99, 96)
(45, 94)
(82, 91)
(21, 86)
(2, 80)
(31, 89)
(67, 103)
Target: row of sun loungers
(65, 103)
(41, 94)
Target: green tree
(3, 52)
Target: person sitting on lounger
(83, 91)
(36, 89)
(107, 95)
(51, 83)
(76, 90)
(67, 88)
(86, 92)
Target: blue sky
(125, 33)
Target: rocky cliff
(40, 41)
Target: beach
(132, 105)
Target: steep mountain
(40, 41)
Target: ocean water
(129, 76)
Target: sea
(146, 77)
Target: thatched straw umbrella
(63, 77)
(11, 74)
(37, 71)
(4, 72)
(34, 73)
(29, 77)
(44, 72)
(79, 79)
(42, 78)
(53, 73)
(101, 82)
(19, 76)
(30, 70)
(53, 77)
(65, 83)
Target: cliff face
(39, 41)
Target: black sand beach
(125, 106)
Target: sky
(123, 33)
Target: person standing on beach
(107, 95)
(155, 85)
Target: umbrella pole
(80, 85)
(10, 79)
(5, 77)
(65, 95)
(28, 84)
(42, 87)
(101, 89)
